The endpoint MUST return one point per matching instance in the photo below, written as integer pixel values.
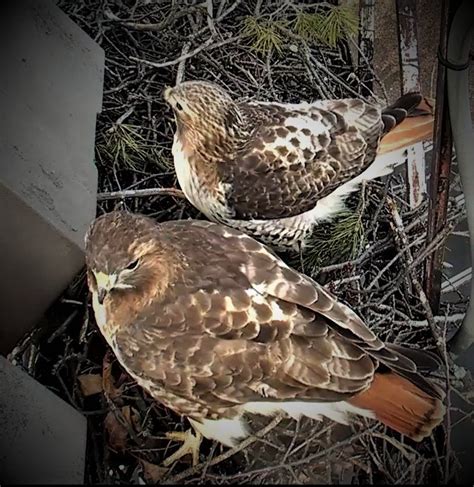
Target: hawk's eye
(133, 265)
(179, 106)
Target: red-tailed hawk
(275, 170)
(214, 325)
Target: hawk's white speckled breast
(194, 189)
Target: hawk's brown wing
(298, 154)
(238, 325)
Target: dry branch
(229, 453)
(404, 244)
(206, 45)
(140, 193)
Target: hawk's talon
(191, 444)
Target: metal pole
(441, 168)
(460, 36)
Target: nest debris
(372, 257)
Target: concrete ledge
(50, 94)
(43, 439)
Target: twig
(72, 301)
(370, 252)
(306, 459)
(182, 63)
(61, 328)
(229, 453)
(391, 262)
(181, 58)
(411, 267)
(140, 193)
(123, 117)
(207, 465)
(455, 318)
(448, 406)
(318, 84)
(217, 20)
(228, 10)
(210, 17)
(292, 443)
(221, 6)
(403, 241)
(437, 241)
(333, 76)
(372, 71)
(157, 26)
(206, 45)
(311, 438)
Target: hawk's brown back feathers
(211, 322)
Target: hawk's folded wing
(298, 154)
(239, 326)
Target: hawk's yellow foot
(191, 444)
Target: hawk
(214, 325)
(275, 170)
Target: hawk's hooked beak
(101, 293)
(105, 283)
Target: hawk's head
(121, 251)
(201, 105)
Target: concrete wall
(43, 439)
(50, 93)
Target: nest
(372, 257)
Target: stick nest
(372, 257)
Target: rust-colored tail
(401, 405)
(408, 121)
